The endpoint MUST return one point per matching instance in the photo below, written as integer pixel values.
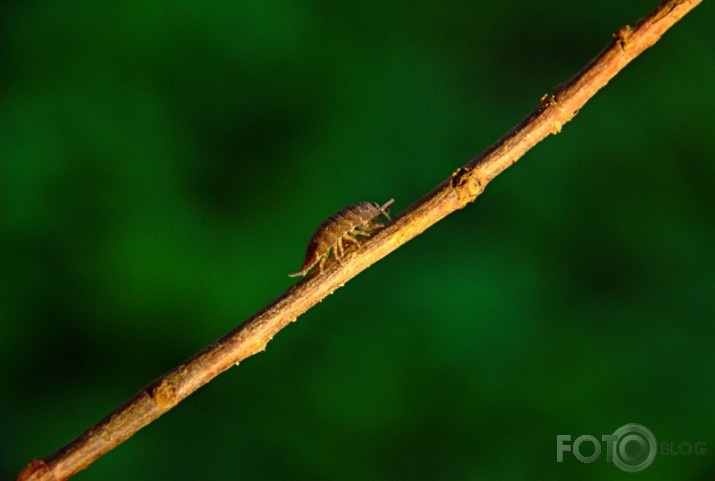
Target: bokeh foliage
(162, 166)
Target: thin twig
(454, 193)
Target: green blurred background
(164, 164)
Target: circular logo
(634, 448)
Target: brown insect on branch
(457, 191)
(343, 227)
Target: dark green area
(163, 165)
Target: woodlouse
(346, 225)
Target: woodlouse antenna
(385, 208)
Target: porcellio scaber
(341, 228)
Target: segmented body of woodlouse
(345, 226)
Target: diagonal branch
(457, 191)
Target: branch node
(549, 102)
(467, 184)
(623, 36)
(164, 394)
(37, 470)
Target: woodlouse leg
(340, 251)
(303, 272)
(349, 236)
(359, 231)
(371, 227)
(322, 262)
(365, 231)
